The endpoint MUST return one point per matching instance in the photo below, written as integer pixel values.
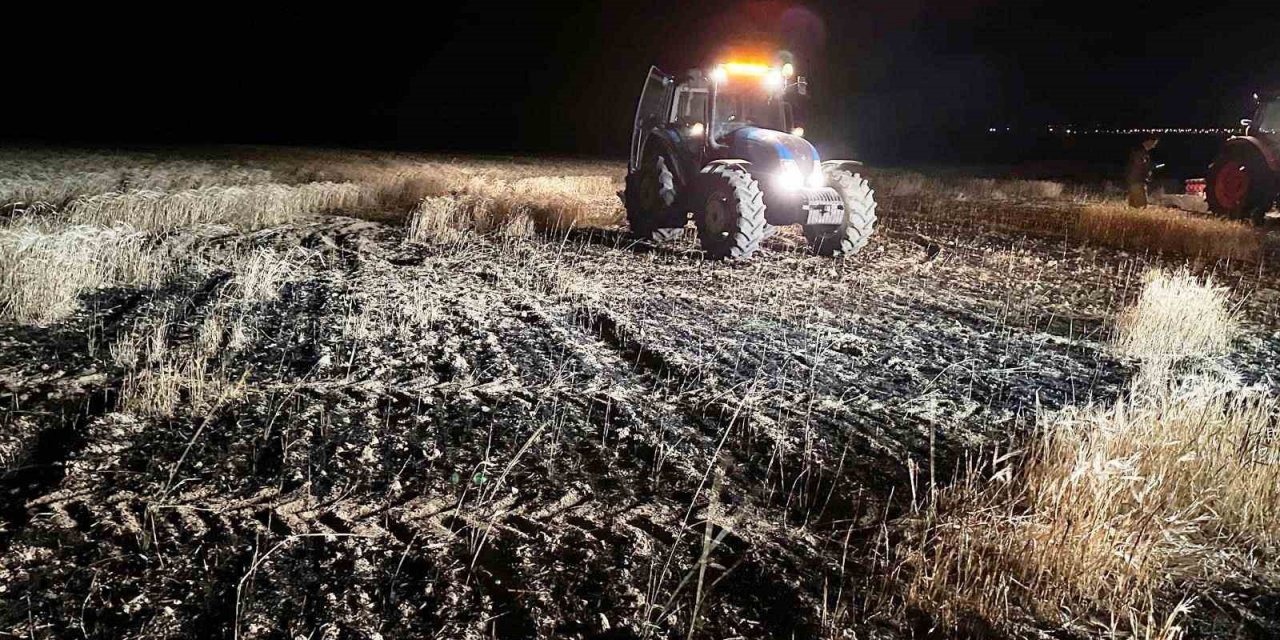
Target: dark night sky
(563, 78)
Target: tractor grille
(825, 196)
(823, 206)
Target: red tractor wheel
(1240, 185)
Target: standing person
(1138, 173)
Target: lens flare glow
(773, 81)
(745, 68)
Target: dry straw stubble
(1113, 513)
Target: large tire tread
(643, 208)
(1262, 188)
(860, 217)
(742, 193)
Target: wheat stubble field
(283, 393)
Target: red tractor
(1244, 180)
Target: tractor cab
(703, 110)
(1266, 121)
(723, 147)
(749, 95)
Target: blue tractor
(721, 147)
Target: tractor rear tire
(1241, 185)
(851, 236)
(655, 187)
(731, 217)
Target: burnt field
(293, 394)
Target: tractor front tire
(1240, 185)
(730, 220)
(859, 223)
(655, 193)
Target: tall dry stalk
(44, 269)
(248, 207)
(1176, 315)
(493, 206)
(1114, 513)
(1167, 230)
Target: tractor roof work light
(745, 68)
(773, 78)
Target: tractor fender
(663, 144)
(745, 165)
(1269, 154)
(852, 166)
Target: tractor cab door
(652, 110)
(1267, 120)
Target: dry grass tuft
(992, 189)
(398, 190)
(163, 378)
(1167, 230)
(248, 207)
(259, 273)
(560, 203)
(1112, 513)
(491, 206)
(449, 219)
(43, 271)
(169, 369)
(1176, 316)
(54, 178)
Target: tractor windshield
(737, 109)
(1268, 120)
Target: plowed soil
(574, 436)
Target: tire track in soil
(43, 469)
(854, 492)
(763, 556)
(56, 480)
(599, 498)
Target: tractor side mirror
(1246, 123)
(802, 86)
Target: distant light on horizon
(1071, 130)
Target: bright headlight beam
(789, 177)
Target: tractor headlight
(773, 80)
(816, 179)
(697, 129)
(789, 177)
